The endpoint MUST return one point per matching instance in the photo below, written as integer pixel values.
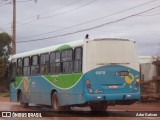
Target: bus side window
(55, 65)
(35, 65)
(19, 67)
(67, 61)
(78, 59)
(12, 71)
(44, 63)
(26, 66)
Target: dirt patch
(4, 99)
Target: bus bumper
(108, 97)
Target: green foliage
(3, 67)
(5, 47)
(5, 52)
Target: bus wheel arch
(55, 102)
(53, 92)
(20, 98)
(18, 95)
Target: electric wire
(91, 28)
(90, 21)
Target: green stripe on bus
(17, 82)
(64, 80)
(63, 47)
(60, 80)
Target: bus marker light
(99, 97)
(89, 86)
(128, 95)
(137, 80)
(87, 81)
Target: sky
(39, 19)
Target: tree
(3, 68)
(5, 52)
(5, 45)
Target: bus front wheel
(21, 99)
(98, 107)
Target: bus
(91, 72)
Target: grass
(4, 94)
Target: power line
(2, 29)
(36, 16)
(153, 14)
(61, 13)
(58, 14)
(91, 28)
(25, 0)
(150, 15)
(6, 4)
(69, 10)
(61, 7)
(90, 21)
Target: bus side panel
(79, 91)
(13, 94)
(39, 90)
(71, 95)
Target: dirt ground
(4, 99)
(6, 105)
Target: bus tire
(55, 104)
(21, 100)
(98, 107)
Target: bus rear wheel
(98, 107)
(21, 100)
(55, 103)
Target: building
(148, 70)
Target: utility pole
(14, 29)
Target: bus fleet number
(100, 72)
